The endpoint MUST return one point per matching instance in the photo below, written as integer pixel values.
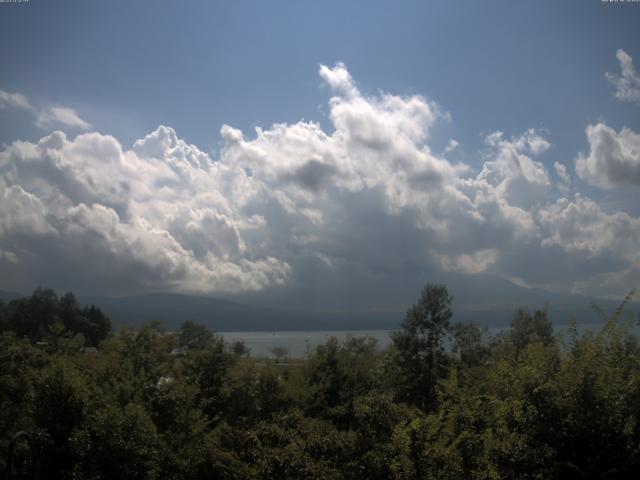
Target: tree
(89, 321)
(31, 317)
(419, 358)
(526, 329)
(280, 352)
(252, 393)
(195, 336)
(209, 368)
(470, 344)
(44, 315)
(117, 443)
(336, 374)
(240, 349)
(98, 324)
(60, 405)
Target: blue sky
(130, 66)
(124, 68)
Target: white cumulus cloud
(613, 159)
(627, 84)
(291, 203)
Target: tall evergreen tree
(419, 358)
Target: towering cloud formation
(294, 202)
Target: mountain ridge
(171, 309)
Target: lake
(299, 343)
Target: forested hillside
(446, 400)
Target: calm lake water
(299, 343)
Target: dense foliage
(446, 400)
(45, 316)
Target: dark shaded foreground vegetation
(444, 401)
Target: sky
(333, 154)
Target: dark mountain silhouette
(487, 300)
(222, 315)
(7, 296)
